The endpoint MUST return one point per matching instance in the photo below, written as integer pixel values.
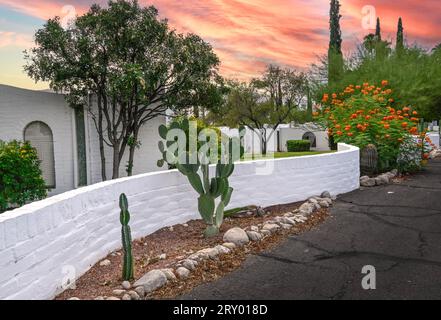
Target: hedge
(299, 145)
(20, 176)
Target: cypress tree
(400, 37)
(335, 55)
(309, 110)
(378, 30)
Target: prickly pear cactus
(369, 160)
(211, 190)
(128, 269)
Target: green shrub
(298, 145)
(20, 175)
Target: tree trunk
(132, 153)
(116, 161)
(264, 142)
(101, 139)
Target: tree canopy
(132, 62)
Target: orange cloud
(248, 34)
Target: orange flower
(387, 126)
(415, 113)
(334, 96)
(368, 117)
(350, 134)
(339, 133)
(404, 124)
(338, 126)
(406, 109)
(384, 83)
(426, 156)
(387, 136)
(400, 140)
(414, 119)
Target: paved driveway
(395, 228)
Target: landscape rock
(287, 220)
(140, 291)
(382, 180)
(162, 256)
(254, 228)
(118, 292)
(169, 274)
(210, 252)
(286, 226)
(113, 299)
(260, 212)
(183, 273)
(229, 245)
(237, 236)
(325, 194)
(222, 250)
(324, 204)
(307, 208)
(100, 298)
(105, 263)
(254, 236)
(126, 285)
(266, 233)
(328, 200)
(74, 299)
(313, 201)
(126, 297)
(188, 264)
(152, 280)
(271, 227)
(134, 295)
(369, 182)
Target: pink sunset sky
(246, 34)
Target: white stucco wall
(78, 228)
(435, 138)
(287, 134)
(19, 107)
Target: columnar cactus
(214, 193)
(128, 269)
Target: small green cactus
(210, 190)
(128, 269)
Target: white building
(66, 140)
(277, 141)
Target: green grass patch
(280, 155)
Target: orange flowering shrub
(366, 114)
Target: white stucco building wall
(20, 107)
(42, 241)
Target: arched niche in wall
(40, 136)
(311, 137)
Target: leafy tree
(265, 103)
(335, 55)
(131, 62)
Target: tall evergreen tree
(309, 110)
(400, 36)
(335, 55)
(378, 30)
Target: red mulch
(179, 243)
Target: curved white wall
(41, 241)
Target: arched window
(311, 137)
(39, 135)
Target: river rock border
(233, 239)
(380, 180)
